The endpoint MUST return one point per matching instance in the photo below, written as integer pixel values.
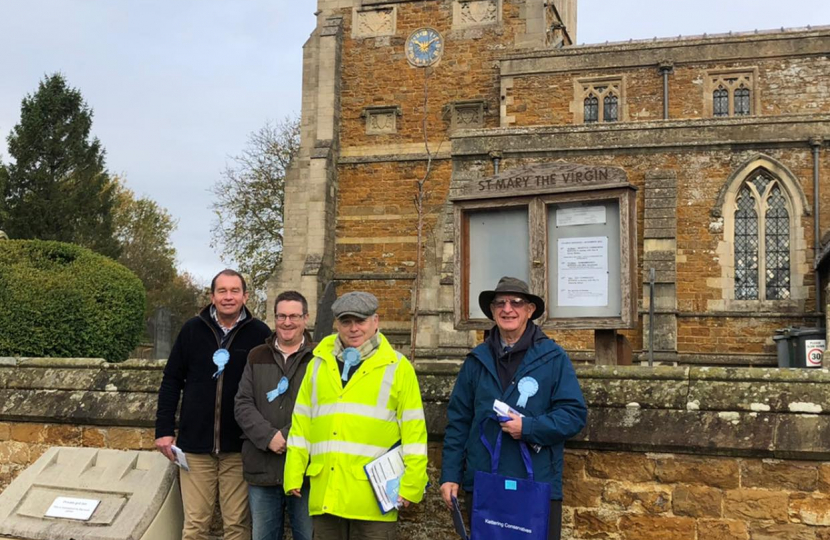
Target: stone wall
(792, 86)
(668, 453)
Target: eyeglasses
(515, 303)
(294, 317)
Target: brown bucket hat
(510, 285)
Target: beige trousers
(209, 473)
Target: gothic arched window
(720, 101)
(762, 239)
(609, 111)
(591, 109)
(742, 101)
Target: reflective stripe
(416, 449)
(356, 409)
(343, 447)
(412, 414)
(386, 384)
(298, 442)
(303, 410)
(317, 362)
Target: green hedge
(62, 300)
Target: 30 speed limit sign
(814, 349)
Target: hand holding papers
(385, 475)
(502, 409)
(181, 459)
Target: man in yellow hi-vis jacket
(357, 400)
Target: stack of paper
(385, 475)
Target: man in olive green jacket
(264, 405)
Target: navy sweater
(189, 376)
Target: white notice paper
(579, 254)
(71, 508)
(583, 272)
(583, 289)
(385, 475)
(580, 215)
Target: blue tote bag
(507, 508)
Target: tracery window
(762, 239)
(731, 93)
(599, 100)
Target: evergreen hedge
(62, 300)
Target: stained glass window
(591, 109)
(777, 246)
(742, 101)
(746, 247)
(609, 112)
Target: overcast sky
(177, 85)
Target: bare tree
(248, 208)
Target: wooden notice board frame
(540, 188)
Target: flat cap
(358, 304)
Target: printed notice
(583, 272)
(581, 254)
(70, 508)
(580, 215)
(583, 289)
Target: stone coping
(563, 129)
(767, 412)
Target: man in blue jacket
(519, 365)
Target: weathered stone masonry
(669, 453)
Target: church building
(446, 143)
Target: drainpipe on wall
(816, 143)
(666, 67)
(495, 155)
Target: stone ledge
(693, 133)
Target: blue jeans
(268, 506)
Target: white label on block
(71, 508)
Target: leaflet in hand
(501, 408)
(181, 459)
(385, 475)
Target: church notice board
(569, 230)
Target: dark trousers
(328, 527)
(554, 523)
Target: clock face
(424, 47)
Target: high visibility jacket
(337, 430)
